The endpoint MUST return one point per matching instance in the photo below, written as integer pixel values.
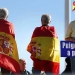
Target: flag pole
(67, 13)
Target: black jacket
(68, 67)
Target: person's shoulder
(52, 28)
(72, 22)
(6, 22)
(41, 27)
(37, 28)
(10, 23)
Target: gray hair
(3, 13)
(23, 60)
(46, 18)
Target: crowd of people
(44, 48)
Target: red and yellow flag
(44, 49)
(8, 49)
(73, 6)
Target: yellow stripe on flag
(45, 48)
(11, 47)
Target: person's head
(67, 60)
(3, 13)
(45, 19)
(22, 63)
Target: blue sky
(25, 15)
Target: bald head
(22, 64)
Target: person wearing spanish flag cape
(9, 60)
(44, 48)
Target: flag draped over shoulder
(44, 49)
(8, 49)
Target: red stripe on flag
(47, 66)
(44, 32)
(7, 27)
(9, 63)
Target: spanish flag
(8, 49)
(44, 49)
(73, 6)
